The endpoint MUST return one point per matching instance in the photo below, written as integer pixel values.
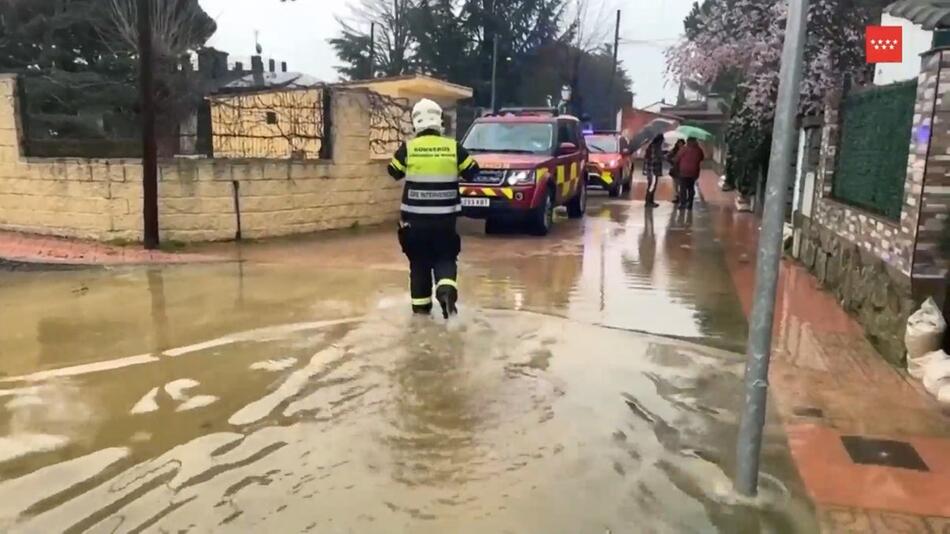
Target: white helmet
(427, 115)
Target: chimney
(257, 69)
(220, 64)
(238, 67)
(283, 66)
(271, 65)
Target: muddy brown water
(590, 385)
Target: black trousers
(687, 192)
(433, 247)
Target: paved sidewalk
(45, 250)
(831, 389)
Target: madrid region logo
(884, 44)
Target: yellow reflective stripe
(574, 171)
(608, 177)
(447, 282)
(489, 192)
(398, 165)
(467, 164)
(422, 302)
(560, 174)
(542, 173)
(508, 192)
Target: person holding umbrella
(653, 168)
(688, 163)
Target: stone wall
(871, 263)
(874, 292)
(102, 199)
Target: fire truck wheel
(578, 205)
(542, 218)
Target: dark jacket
(689, 160)
(653, 160)
(674, 172)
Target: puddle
(301, 396)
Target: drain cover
(884, 452)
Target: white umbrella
(673, 135)
(670, 138)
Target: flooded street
(590, 385)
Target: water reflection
(159, 315)
(436, 414)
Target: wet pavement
(591, 384)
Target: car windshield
(515, 137)
(608, 144)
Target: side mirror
(566, 149)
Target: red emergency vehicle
(532, 160)
(611, 162)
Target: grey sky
(297, 32)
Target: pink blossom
(746, 36)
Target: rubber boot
(447, 296)
(425, 309)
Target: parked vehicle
(532, 161)
(611, 162)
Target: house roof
(270, 81)
(931, 14)
(415, 83)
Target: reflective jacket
(431, 165)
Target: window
(567, 132)
(604, 144)
(271, 117)
(514, 137)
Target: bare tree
(178, 26)
(393, 46)
(592, 22)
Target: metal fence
(73, 117)
(82, 115)
(390, 123)
(871, 168)
(272, 124)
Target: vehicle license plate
(475, 202)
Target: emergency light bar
(530, 112)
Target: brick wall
(929, 185)
(102, 199)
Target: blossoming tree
(743, 39)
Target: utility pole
(613, 71)
(372, 50)
(759, 347)
(494, 74)
(149, 146)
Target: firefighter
(431, 165)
